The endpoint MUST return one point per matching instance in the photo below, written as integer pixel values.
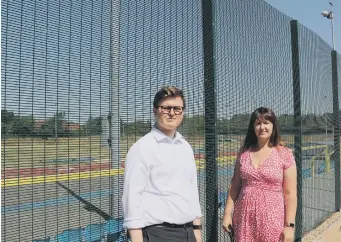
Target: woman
(262, 195)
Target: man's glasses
(167, 109)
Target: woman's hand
(288, 234)
(227, 223)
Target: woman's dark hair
(251, 140)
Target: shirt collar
(160, 136)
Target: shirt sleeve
(289, 159)
(196, 201)
(135, 180)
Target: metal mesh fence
(339, 124)
(78, 80)
(253, 69)
(317, 128)
(161, 45)
(55, 88)
(339, 82)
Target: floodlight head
(325, 13)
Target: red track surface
(53, 170)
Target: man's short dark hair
(167, 92)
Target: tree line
(58, 126)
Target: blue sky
(308, 13)
(63, 57)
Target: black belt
(169, 225)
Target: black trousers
(168, 234)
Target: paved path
(332, 234)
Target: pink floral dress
(259, 210)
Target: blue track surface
(53, 202)
(102, 193)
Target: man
(160, 194)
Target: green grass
(36, 152)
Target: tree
(94, 126)
(239, 123)
(193, 126)
(54, 126)
(138, 128)
(7, 119)
(23, 126)
(286, 122)
(223, 126)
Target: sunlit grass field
(37, 152)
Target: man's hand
(136, 235)
(197, 234)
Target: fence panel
(77, 85)
(336, 126)
(253, 69)
(161, 44)
(317, 129)
(339, 92)
(55, 89)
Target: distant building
(70, 126)
(39, 123)
(66, 126)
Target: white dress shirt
(160, 182)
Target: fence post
(297, 123)
(116, 182)
(211, 216)
(336, 123)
